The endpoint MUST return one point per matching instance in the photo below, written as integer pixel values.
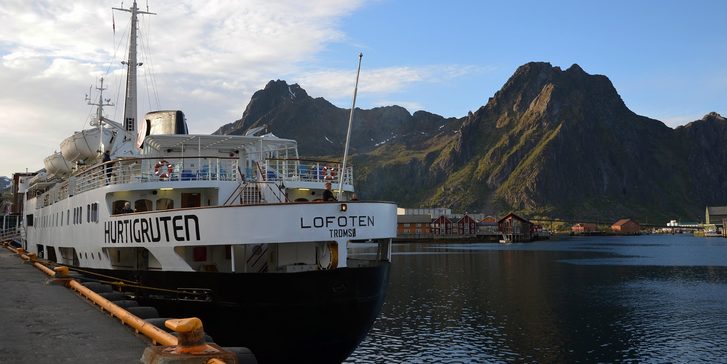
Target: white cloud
(337, 85)
(208, 59)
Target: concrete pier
(48, 323)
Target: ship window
(52, 254)
(142, 205)
(118, 205)
(165, 204)
(68, 256)
(29, 219)
(94, 212)
(191, 200)
(88, 213)
(68, 217)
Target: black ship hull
(315, 317)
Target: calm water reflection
(658, 298)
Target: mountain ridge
(550, 142)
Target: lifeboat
(39, 178)
(57, 165)
(86, 144)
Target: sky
(666, 58)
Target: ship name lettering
(336, 222)
(152, 229)
(343, 233)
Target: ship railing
(10, 234)
(306, 170)
(139, 170)
(143, 170)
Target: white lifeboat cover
(56, 164)
(86, 144)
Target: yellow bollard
(191, 344)
(190, 331)
(61, 271)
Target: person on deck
(107, 158)
(328, 194)
(127, 208)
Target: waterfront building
(433, 212)
(584, 227)
(715, 214)
(442, 226)
(466, 225)
(489, 219)
(626, 226)
(515, 228)
(488, 226)
(413, 226)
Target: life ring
(329, 173)
(327, 256)
(159, 169)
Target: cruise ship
(233, 229)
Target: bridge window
(165, 204)
(191, 200)
(142, 205)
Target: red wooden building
(626, 226)
(466, 225)
(413, 225)
(584, 227)
(442, 226)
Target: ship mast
(127, 146)
(348, 131)
(99, 106)
(99, 121)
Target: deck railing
(143, 170)
(305, 170)
(9, 234)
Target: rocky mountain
(320, 127)
(551, 142)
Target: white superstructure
(231, 229)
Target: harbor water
(649, 298)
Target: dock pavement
(49, 323)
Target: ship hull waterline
(318, 316)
